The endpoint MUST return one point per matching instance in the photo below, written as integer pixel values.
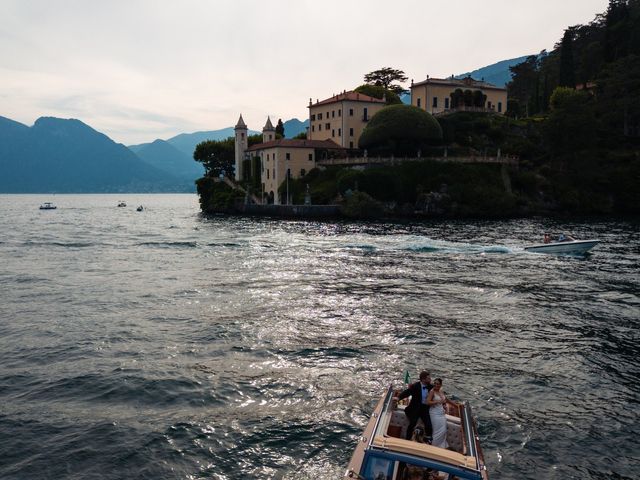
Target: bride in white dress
(437, 400)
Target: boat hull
(575, 247)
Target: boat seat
(398, 424)
(454, 434)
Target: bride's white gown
(438, 423)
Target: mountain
(294, 127)
(56, 155)
(498, 73)
(186, 142)
(168, 158)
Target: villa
(447, 95)
(279, 159)
(342, 118)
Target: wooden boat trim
(425, 450)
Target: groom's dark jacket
(415, 390)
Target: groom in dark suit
(418, 407)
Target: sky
(138, 70)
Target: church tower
(241, 146)
(268, 132)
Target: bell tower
(241, 146)
(268, 132)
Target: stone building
(435, 95)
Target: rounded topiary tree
(400, 130)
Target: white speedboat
(383, 453)
(122, 204)
(47, 206)
(568, 247)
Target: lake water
(164, 344)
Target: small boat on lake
(140, 208)
(122, 204)
(568, 247)
(383, 452)
(47, 206)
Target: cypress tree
(567, 70)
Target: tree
(400, 130)
(619, 94)
(280, 128)
(567, 68)
(572, 125)
(217, 156)
(457, 98)
(479, 99)
(376, 91)
(385, 77)
(524, 78)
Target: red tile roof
(348, 96)
(459, 82)
(286, 143)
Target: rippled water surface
(163, 344)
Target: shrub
(400, 130)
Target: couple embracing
(428, 404)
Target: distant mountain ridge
(168, 158)
(56, 155)
(497, 74)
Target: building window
(351, 112)
(319, 127)
(319, 116)
(350, 144)
(435, 102)
(339, 132)
(313, 117)
(303, 172)
(311, 157)
(339, 112)
(333, 113)
(242, 136)
(446, 102)
(267, 157)
(288, 156)
(270, 137)
(488, 105)
(327, 126)
(351, 132)
(418, 102)
(327, 115)
(333, 132)
(365, 115)
(267, 174)
(500, 107)
(313, 128)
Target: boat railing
(469, 431)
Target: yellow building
(342, 118)
(279, 158)
(434, 95)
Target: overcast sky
(138, 70)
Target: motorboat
(140, 208)
(383, 452)
(567, 247)
(122, 204)
(47, 206)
